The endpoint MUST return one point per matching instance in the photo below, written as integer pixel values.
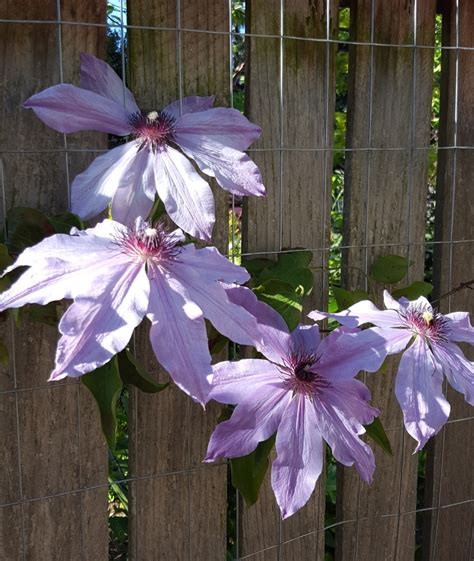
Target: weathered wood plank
(181, 515)
(448, 531)
(54, 443)
(389, 102)
(295, 212)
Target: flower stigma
(425, 321)
(300, 375)
(152, 130)
(150, 244)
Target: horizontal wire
(363, 519)
(238, 34)
(284, 149)
(116, 482)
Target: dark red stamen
(152, 130)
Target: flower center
(149, 243)
(152, 130)
(300, 375)
(425, 321)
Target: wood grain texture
(448, 532)
(295, 212)
(178, 511)
(389, 106)
(53, 440)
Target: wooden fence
(54, 467)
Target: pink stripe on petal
(94, 330)
(67, 108)
(187, 197)
(221, 125)
(299, 460)
(190, 104)
(178, 337)
(97, 76)
(418, 387)
(234, 171)
(92, 190)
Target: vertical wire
(280, 225)
(326, 194)
(232, 252)
(15, 383)
(451, 237)
(367, 199)
(133, 396)
(409, 236)
(77, 384)
(179, 53)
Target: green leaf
(377, 433)
(4, 356)
(249, 471)
(346, 298)
(291, 268)
(389, 269)
(47, 314)
(414, 290)
(105, 385)
(5, 258)
(132, 372)
(26, 227)
(62, 223)
(283, 298)
(157, 211)
(255, 266)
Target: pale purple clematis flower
(305, 392)
(116, 276)
(151, 162)
(432, 351)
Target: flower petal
(360, 313)
(92, 190)
(460, 327)
(97, 76)
(272, 338)
(221, 125)
(212, 265)
(94, 330)
(299, 460)
(66, 108)
(344, 354)
(234, 382)
(340, 426)
(234, 171)
(305, 339)
(54, 279)
(136, 191)
(178, 337)
(456, 367)
(187, 197)
(232, 321)
(253, 421)
(418, 387)
(190, 104)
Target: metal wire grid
(231, 33)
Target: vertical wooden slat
(295, 212)
(448, 532)
(384, 200)
(180, 511)
(54, 445)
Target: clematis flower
(428, 339)
(151, 161)
(116, 276)
(305, 392)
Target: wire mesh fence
(366, 150)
